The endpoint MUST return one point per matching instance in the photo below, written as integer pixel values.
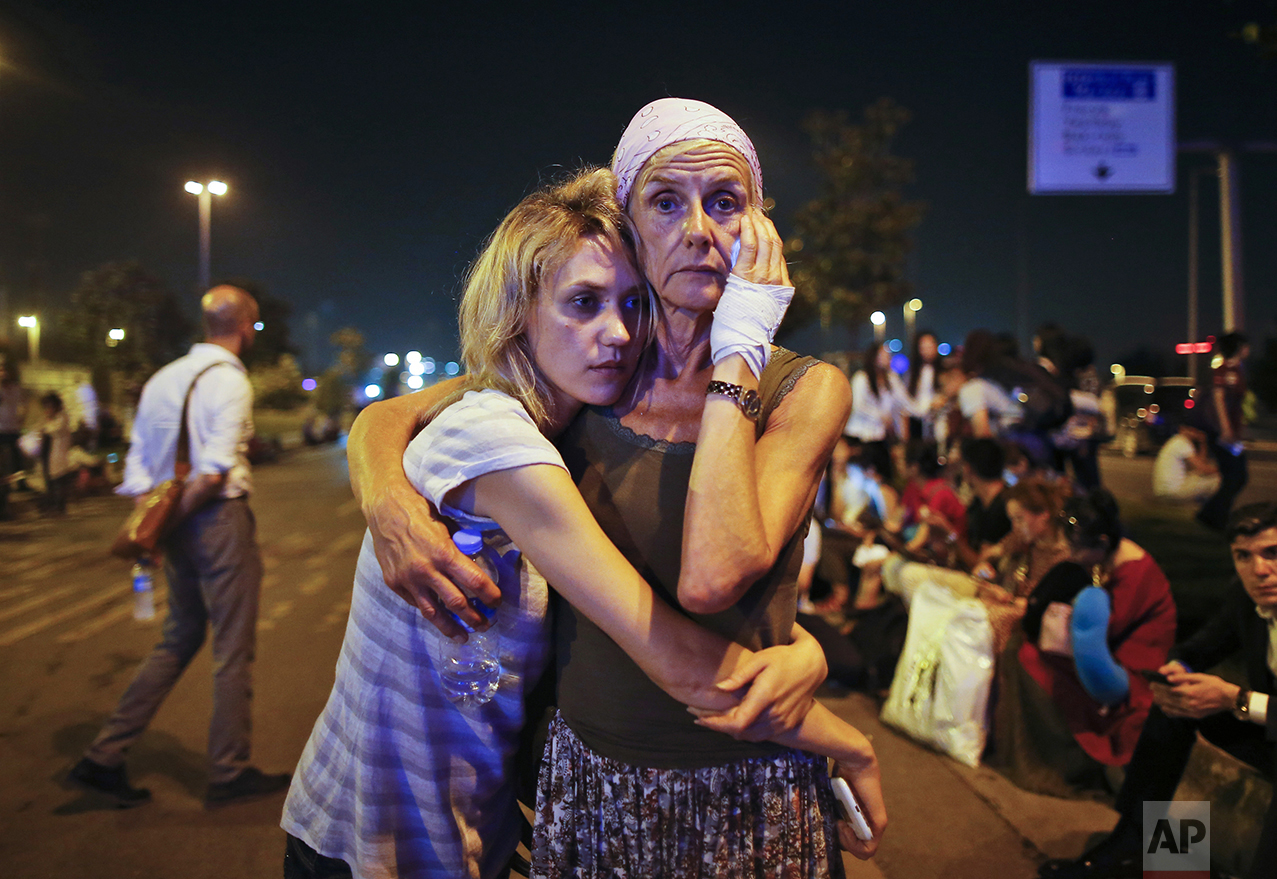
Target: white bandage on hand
(746, 320)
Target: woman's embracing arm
(543, 513)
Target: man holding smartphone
(1238, 718)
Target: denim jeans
(303, 862)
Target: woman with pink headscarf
(631, 783)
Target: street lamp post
(205, 194)
(912, 307)
(32, 325)
(879, 320)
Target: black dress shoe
(251, 784)
(104, 780)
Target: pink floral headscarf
(671, 120)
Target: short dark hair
(1251, 519)
(53, 400)
(985, 457)
(1231, 344)
(926, 455)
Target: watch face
(750, 404)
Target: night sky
(369, 148)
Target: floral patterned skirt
(755, 818)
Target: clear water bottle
(471, 672)
(143, 589)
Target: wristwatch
(746, 400)
(1241, 708)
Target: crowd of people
(43, 449)
(642, 461)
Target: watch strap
(746, 400)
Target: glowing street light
(879, 320)
(114, 337)
(912, 307)
(391, 360)
(205, 192)
(32, 325)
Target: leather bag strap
(182, 465)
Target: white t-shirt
(870, 412)
(980, 393)
(1170, 470)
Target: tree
(124, 296)
(847, 254)
(337, 382)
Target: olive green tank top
(636, 487)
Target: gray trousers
(214, 572)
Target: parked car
(1143, 412)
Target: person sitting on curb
(1235, 717)
(1184, 471)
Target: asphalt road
(68, 647)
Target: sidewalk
(958, 823)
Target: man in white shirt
(211, 558)
(1236, 717)
(1184, 470)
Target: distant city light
(372, 391)
(391, 359)
(217, 187)
(259, 326)
(899, 364)
(415, 382)
(452, 367)
(429, 364)
(1118, 370)
(895, 345)
(877, 318)
(309, 384)
(117, 334)
(417, 367)
(944, 349)
(1189, 404)
(412, 357)
(28, 321)
(1193, 348)
(194, 188)
(915, 305)
(1217, 361)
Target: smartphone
(1153, 676)
(849, 809)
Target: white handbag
(940, 694)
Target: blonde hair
(685, 147)
(534, 241)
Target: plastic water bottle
(471, 672)
(143, 589)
